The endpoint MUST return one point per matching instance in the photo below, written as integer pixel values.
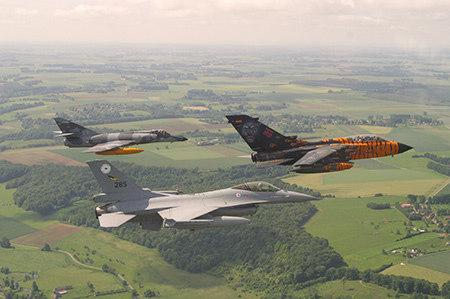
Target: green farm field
(365, 183)
(410, 269)
(14, 221)
(360, 234)
(142, 266)
(351, 289)
(439, 261)
(55, 269)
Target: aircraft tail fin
(259, 136)
(111, 180)
(69, 128)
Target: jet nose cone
(403, 148)
(180, 138)
(296, 196)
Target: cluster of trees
(38, 128)
(442, 166)
(9, 171)
(106, 268)
(11, 283)
(407, 212)
(441, 160)
(21, 106)
(149, 293)
(402, 284)
(442, 169)
(440, 199)
(16, 89)
(378, 206)
(4, 243)
(48, 188)
(413, 199)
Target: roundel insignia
(105, 168)
(238, 195)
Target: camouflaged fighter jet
(111, 143)
(126, 201)
(327, 155)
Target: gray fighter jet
(111, 143)
(126, 201)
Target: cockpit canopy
(159, 132)
(365, 138)
(162, 133)
(257, 187)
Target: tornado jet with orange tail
(76, 135)
(326, 155)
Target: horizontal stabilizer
(60, 134)
(114, 219)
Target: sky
(390, 23)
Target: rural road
(92, 267)
(79, 263)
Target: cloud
(90, 11)
(18, 12)
(223, 21)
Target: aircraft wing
(272, 163)
(102, 147)
(181, 214)
(316, 155)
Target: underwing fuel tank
(219, 221)
(121, 151)
(323, 168)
